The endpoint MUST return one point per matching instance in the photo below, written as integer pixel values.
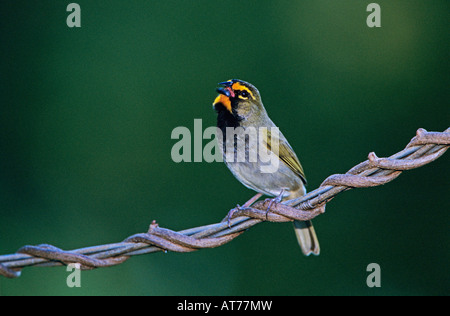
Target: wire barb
(424, 148)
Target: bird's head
(241, 99)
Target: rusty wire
(424, 148)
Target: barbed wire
(424, 148)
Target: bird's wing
(285, 152)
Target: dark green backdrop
(86, 116)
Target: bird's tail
(304, 230)
(306, 237)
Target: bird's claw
(231, 213)
(273, 201)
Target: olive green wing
(285, 152)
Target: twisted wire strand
(424, 148)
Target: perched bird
(240, 109)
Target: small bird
(239, 105)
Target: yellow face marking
(239, 87)
(224, 100)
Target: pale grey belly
(268, 183)
(267, 176)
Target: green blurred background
(86, 116)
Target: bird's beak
(225, 93)
(228, 83)
(226, 89)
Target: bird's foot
(273, 201)
(238, 208)
(231, 213)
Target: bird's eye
(244, 94)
